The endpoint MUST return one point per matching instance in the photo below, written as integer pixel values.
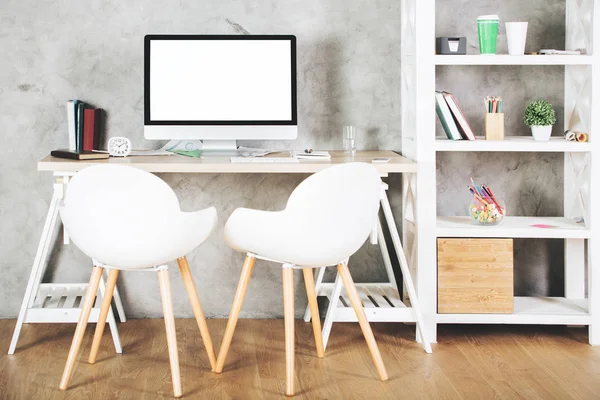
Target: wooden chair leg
(238, 300)
(165, 293)
(190, 287)
(309, 282)
(362, 319)
(106, 300)
(288, 316)
(86, 308)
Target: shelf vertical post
(594, 219)
(418, 144)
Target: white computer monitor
(220, 88)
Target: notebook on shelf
(446, 118)
(459, 117)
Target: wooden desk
(218, 164)
(382, 300)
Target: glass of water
(349, 139)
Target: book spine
(79, 136)
(71, 124)
(98, 128)
(89, 116)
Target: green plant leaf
(539, 112)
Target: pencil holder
(494, 126)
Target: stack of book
(86, 124)
(452, 118)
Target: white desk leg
(331, 310)
(593, 295)
(110, 317)
(320, 275)
(39, 264)
(119, 304)
(384, 253)
(387, 210)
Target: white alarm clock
(119, 146)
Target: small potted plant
(540, 116)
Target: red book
(89, 123)
(92, 128)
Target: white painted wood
(505, 59)
(318, 281)
(119, 304)
(332, 310)
(391, 294)
(530, 310)
(575, 261)
(71, 297)
(591, 30)
(363, 293)
(425, 124)
(37, 269)
(408, 282)
(54, 297)
(110, 318)
(512, 144)
(385, 254)
(53, 302)
(376, 314)
(516, 227)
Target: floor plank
(469, 362)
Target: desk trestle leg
(54, 302)
(381, 301)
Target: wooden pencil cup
(494, 126)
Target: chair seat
(173, 236)
(282, 237)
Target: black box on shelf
(451, 45)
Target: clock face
(119, 146)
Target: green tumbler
(487, 29)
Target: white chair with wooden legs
(128, 219)
(327, 219)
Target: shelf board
(505, 59)
(530, 310)
(512, 227)
(512, 143)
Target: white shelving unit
(421, 225)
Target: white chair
(128, 219)
(327, 219)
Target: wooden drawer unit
(475, 276)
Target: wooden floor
(469, 362)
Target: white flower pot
(541, 132)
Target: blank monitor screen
(221, 80)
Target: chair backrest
(117, 210)
(338, 206)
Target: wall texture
(348, 63)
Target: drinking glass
(349, 139)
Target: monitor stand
(219, 146)
(214, 148)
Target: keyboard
(264, 160)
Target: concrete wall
(348, 73)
